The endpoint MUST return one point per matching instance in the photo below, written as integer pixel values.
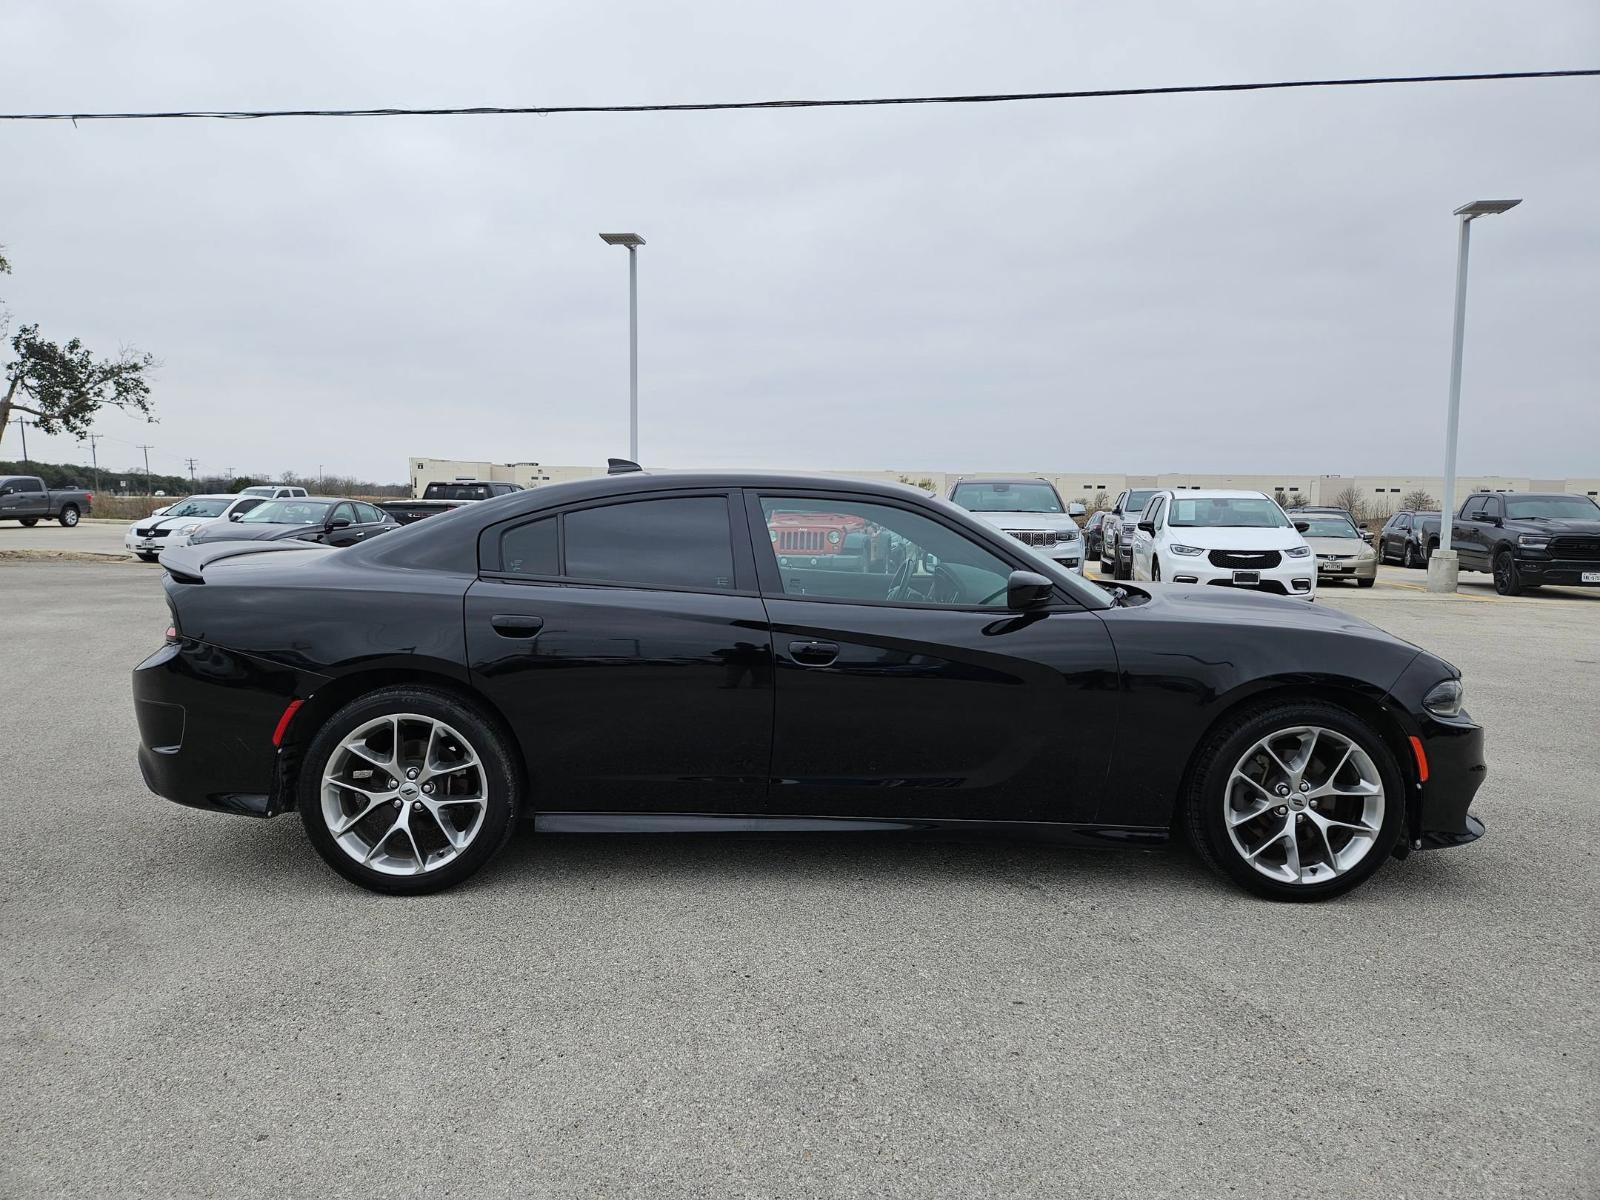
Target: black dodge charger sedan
(742, 652)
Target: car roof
(990, 481)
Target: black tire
(1365, 582)
(1155, 570)
(143, 557)
(1118, 569)
(1409, 558)
(1204, 800)
(501, 775)
(69, 515)
(30, 522)
(1507, 579)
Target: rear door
(626, 642)
(906, 689)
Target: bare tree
(1102, 502)
(1418, 500)
(1351, 500)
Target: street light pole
(22, 426)
(1443, 568)
(632, 241)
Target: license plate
(1247, 576)
(1591, 576)
(1331, 567)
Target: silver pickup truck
(25, 498)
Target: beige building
(1377, 494)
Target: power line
(740, 105)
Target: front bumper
(206, 718)
(1445, 776)
(1333, 570)
(1291, 577)
(1565, 572)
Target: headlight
(1186, 551)
(1364, 552)
(1533, 541)
(833, 537)
(1298, 551)
(1445, 699)
(188, 529)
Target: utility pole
(146, 450)
(191, 473)
(95, 458)
(22, 424)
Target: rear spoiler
(187, 564)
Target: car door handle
(517, 626)
(813, 654)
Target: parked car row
(252, 517)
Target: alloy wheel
(1304, 805)
(404, 794)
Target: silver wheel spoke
(405, 846)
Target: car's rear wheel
(69, 516)
(409, 790)
(1297, 801)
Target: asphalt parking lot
(196, 1006)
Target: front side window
(846, 549)
(344, 512)
(1228, 512)
(1475, 509)
(1007, 497)
(669, 542)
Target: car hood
(235, 531)
(1236, 606)
(1248, 538)
(1336, 545)
(169, 522)
(1026, 520)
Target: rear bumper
(206, 718)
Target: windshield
(1567, 508)
(1328, 527)
(1139, 500)
(258, 491)
(287, 512)
(1227, 512)
(1007, 497)
(197, 508)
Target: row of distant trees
(134, 481)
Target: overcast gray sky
(1218, 283)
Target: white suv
(1232, 539)
(1030, 510)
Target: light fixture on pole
(1443, 569)
(632, 241)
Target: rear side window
(532, 549)
(670, 542)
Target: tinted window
(1403, 521)
(1474, 509)
(531, 549)
(851, 550)
(1571, 508)
(368, 514)
(344, 512)
(664, 543)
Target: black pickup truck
(439, 498)
(1526, 539)
(25, 498)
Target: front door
(627, 645)
(906, 688)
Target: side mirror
(6, 491)
(1363, 527)
(339, 523)
(1025, 590)
(1148, 526)
(1302, 526)
(236, 516)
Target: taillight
(88, 497)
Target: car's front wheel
(1507, 579)
(1410, 558)
(30, 522)
(409, 790)
(1297, 801)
